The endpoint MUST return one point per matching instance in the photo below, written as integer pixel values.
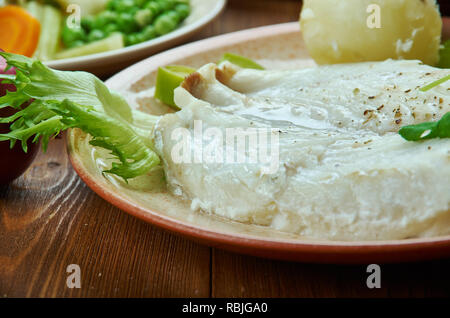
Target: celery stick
(51, 19)
(241, 61)
(113, 42)
(35, 9)
(169, 78)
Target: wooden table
(50, 219)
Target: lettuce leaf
(50, 101)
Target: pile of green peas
(137, 20)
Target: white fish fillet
(341, 175)
(378, 96)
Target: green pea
(111, 28)
(165, 23)
(140, 37)
(77, 43)
(183, 10)
(174, 16)
(112, 4)
(96, 35)
(70, 35)
(124, 6)
(154, 7)
(143, 17)
(140, 3)
(166, 4)
(149, 33)
(126, 23)
(133, 10)
(131, 39)
(87, 23)
(103, 19)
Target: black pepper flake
(407, 91)
(371, 97)
(398, 121)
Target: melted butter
(283, 116)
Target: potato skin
(336, 31)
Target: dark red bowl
(13, 161)
(444, 7)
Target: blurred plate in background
(203, 12)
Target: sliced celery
(50, 19)
(169, 78)
(35, 9)
(241, 61)
(113, 42)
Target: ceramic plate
(203, 12)
(147, 198)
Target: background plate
(203, 12)
(275, 46)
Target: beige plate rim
(319, 251)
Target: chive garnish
(436, 83)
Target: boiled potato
(343, 31)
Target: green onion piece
(241, 61)
(436, 83)
(429, 130)
(169, 78)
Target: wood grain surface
(49, 219)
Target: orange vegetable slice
(19, 31)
